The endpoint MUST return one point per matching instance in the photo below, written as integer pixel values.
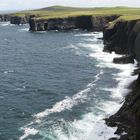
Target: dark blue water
(52, 87)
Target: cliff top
(63, 12)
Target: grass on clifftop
(63, 12)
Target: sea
(58, 85)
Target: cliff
(95, 23)
(4, 18)
(18, 20)
(123, 37)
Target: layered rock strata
(96, 23)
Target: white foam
(71, 46)
(24, 30)
(101, 132)
(28, 132)
(85, 34)
(110, 107)
(4, 23)
(69, 102)
(92, 126)
(65, 104)
(9, 71)
(91, 34)
(124, 78)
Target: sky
(33, 4)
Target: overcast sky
(31, 4)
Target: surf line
(65, 104)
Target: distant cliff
(95, 23)
(4, 18)
(17, 20)
(123, 37)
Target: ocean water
(58, 85)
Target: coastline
(119, 93)
(126, 41)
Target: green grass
(124, 18)
(64, 12)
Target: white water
(4, 23)
(91, 126)
(24, 29)
(65, 104)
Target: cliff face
(121, 38)
(4, 18)
(18, 20)
(124, 38)
(93, 23)
(137, 44)
(14, 19)
(79, 22)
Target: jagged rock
(124, 60)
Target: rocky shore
(124, 38)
